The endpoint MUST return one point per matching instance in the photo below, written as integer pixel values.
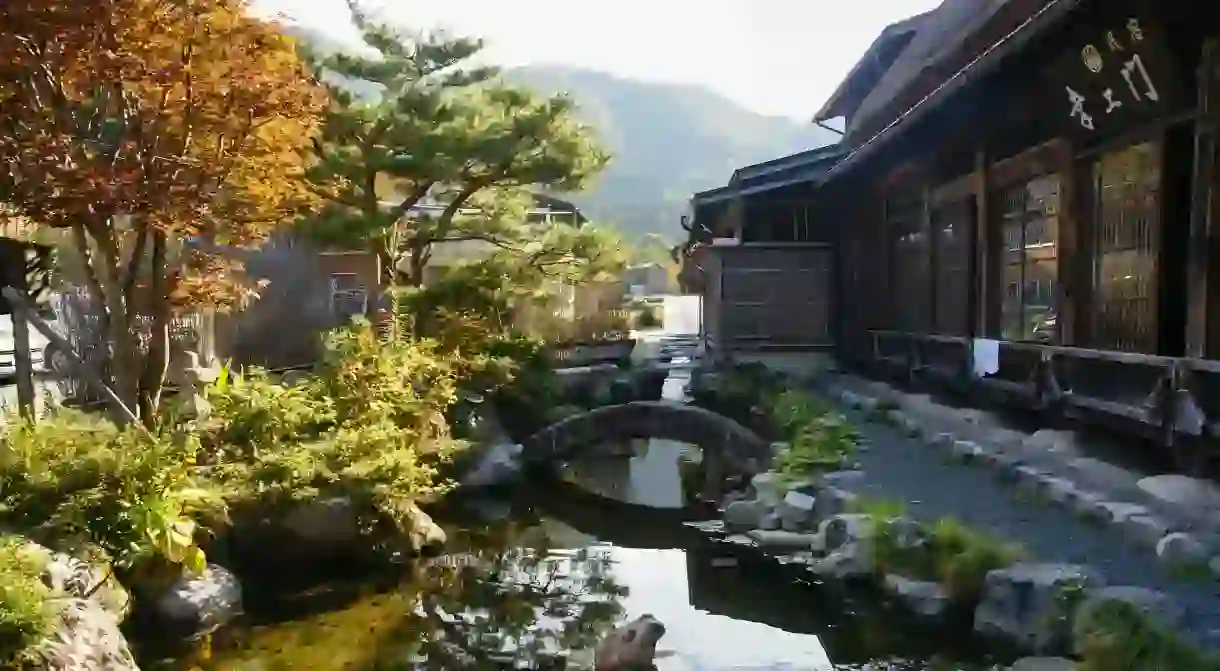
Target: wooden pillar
(1203, 301)
(985, 273)
(1072, 253)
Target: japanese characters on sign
(1122, 72)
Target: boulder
(853, 561)
(86, 638)
(905, 533)
(744, 515)
(1181, 548)
(65, 574)
(91, 605)
(832, 501)
(1179, 490)
(796, 511)
(198, 605)
(631, 646)
(926, 599)
(1023, 604)
(842, 530)
(783, 540)
(499, 464)
(324, 523)
(769, 488)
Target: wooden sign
(1119, 74)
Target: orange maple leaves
(191, 116)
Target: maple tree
(442, 131)
(163, 134)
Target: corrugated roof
(944, 30)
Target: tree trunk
(156, 363)
(124, 343)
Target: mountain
(668, 141)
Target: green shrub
(952, 554)
(371, 426)
(1116, 635)
(821, 445)
(27, 612)
(72, 478)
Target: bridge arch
(724, 442)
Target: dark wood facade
(763, 258)
(1079, 233)
(1064, 200)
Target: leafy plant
(822, 444)
(952, 554)
(1117, 635)
(136, 495)
(26, 609)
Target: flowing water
(534, 579)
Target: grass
(1117, 635)
(951, 554)
(26, 609)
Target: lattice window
(1127, 191)
(1028, 224)
(348, 296)
(951, 223)
(911, 283)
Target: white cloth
(985, 355)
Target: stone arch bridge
(728, 447)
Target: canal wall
(1083, 550)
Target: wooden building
(1027, 203)
(763, 258)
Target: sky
(776, 57)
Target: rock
(796, 511)
(832, 501)
(769, 488)
(783, 539)
(1154, 605)
(1043, 664)
(425, 534)
(1148, 530)
(845, 529)
(324, 524)
(926, 599)
(293, 378)
(1181, 548)
(1102, 474)
(86, 638)
(67, 575)
(1119, 511)
(1179, 490)
(770, 522)
(744, 515)
(905, 532)
(839, 478)
(1047, 440)
(631, 646)
(499, 464)
(198, 605)
(966, 450)
(1084, 503)
(1023, 604)
(1060, 490)
(850, 562)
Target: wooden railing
(1166, 398)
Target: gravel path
(898, 468)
